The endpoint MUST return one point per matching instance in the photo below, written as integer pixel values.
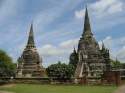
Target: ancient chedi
(90, 61)
(30, 63)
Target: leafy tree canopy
(116, 64)
(60, 70)
(7, 68)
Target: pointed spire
(103, 45)
(87, 27)
(116, 60)
(117, 63)
(74, 50)
(31, 43)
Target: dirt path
(120, 89)
(8, 85)
(5, 92)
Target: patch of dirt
(121, 89)
(5, 92)
(7, 86)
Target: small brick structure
(111, 77)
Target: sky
(58, 25)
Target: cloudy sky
(58, 25)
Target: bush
(60, 71)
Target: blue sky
(58, 25)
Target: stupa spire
(87, 27)
(31, 43)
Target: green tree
(123, 65)
(7, 68)
(60, 71)
(116, 64)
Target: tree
(60, 71)
(116, 64)
(7, 68)
(123, 65)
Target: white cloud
(116, 47)
(117, 7)
(80, 14)
(69, 43)
(106, 7)
(107, 41)
(102, 8)
(50, 50)
(63, 48)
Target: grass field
(30, 88)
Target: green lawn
(32, 88)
